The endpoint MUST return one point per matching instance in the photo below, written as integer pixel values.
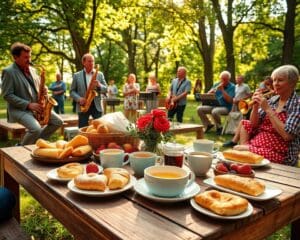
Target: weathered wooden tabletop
(130, 216)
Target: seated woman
(7, 203)
(273, 130)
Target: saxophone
(46, 101)
(90, 93)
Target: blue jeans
(179, 110)
(7, 203)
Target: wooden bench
(17, 130)
(11, 230)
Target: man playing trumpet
(85, 80)
(20, 88)
(224, 92)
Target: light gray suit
(18, 93)
(78, 90)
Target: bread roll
(91, 129)
(70, 170)
(243, 156)
(41, 143)
(224, 204)
(78, 141)
(102, 129)
(60, 144)
(91, 181)
(81, 151)
(117, 177)
(246, 185)
(66, 153)
(97, 122)
(48, 152)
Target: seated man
(7, 203)
(224, 91)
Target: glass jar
(173, 154)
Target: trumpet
(245, 105)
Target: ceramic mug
(113, 158)
(205, 145)
(167, 181)
(141, 160)
(199, 162)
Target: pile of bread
(242, 156)
(227, 204)
(99, 126)
(61, 149)
(112, 178)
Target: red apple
(101, 147)
(128, 148)
(112, 145)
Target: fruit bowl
(235, 169)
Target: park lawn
(41, 225)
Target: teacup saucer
(141, 188)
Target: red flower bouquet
(152, 128)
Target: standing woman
(131, 91)
(152, 87)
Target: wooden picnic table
(181, 128)
(130, 216)
(17, 130)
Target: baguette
(41, 143)
(60, 144)
(221, 203)
(66, 153)
(81, 151)
(243, 156)
(78, 141)
(48, 152)
(246, 185)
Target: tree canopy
(245, 37)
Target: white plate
(105, 193)
(269, 193)
(264, 162)
(141, 188)
(52, 174)
(207, 212)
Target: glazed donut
(70, 170)
(221, 203)
(91, 181)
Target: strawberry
(234, 167)
(244, 169)
(92, 168)
(221, 167)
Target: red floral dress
(266, 141)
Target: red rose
(157, 113)
(144, 121)
(161, 124)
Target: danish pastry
(91, 181)
(221, 203)
(117, 177)
(70, 170)
(246, 185)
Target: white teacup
(199, 162)
(205, 145)
(112, 158)
(167, 181)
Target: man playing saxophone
(20, 88)
(84, 85)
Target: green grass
(39, 223)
